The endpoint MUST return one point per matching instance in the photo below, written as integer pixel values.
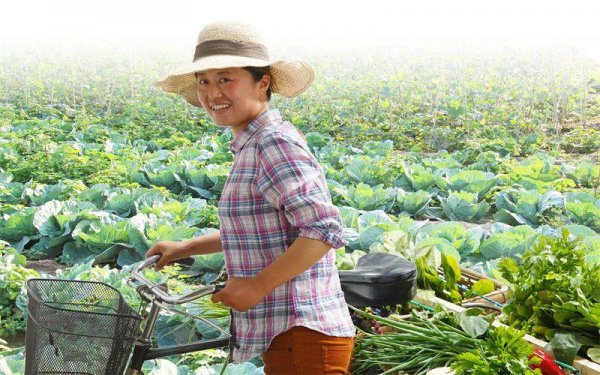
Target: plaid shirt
(275, 192)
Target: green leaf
(18, 225)
(476, 182)
(512, 242)
(44, 219)
(451, 270)
(483, 287)
(394, 242)
(594, 354)
(373, 234)
(412, 202)
(565, 346)
(122, 205)
(349, 217)
(209, 262)
(464, 206)
(74, 254)
(369, 218)
(474, 326)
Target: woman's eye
(202, 82)
(224, 80)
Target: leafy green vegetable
(209, 263)
(414, 346)
(594, 354)
(502, 352)
(367, 170)
(347, 261)
(475, 182)
(463, 241)
(466, 341)
(464, 206)
(18, 228)
(207, 182)
(12, 363)
(585, 174)
(564, 346)
(415, 203)
(428, 259)
(528, 207)
(421, 178)
(538, 172)
(473, 325)
(13, 275)
(483, 287)
(371, 225)
(584, 213)
(365, 197)
(512, 242)
(555, 294)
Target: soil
(45, 266)
(17, 341)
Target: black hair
(257, 73)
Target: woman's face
(231, 96)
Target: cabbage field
(454, 158)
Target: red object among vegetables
(547, 364)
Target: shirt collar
(269, 116)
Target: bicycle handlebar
(164, 295)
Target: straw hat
(231, 45)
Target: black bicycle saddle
(379, 279)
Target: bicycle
(108, 328)
(85, 327)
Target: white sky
(318, 21)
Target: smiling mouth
(220, 108)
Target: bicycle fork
(143, 350)
(143, 343)
(158, 295)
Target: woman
(278, 225)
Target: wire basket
(77, 327)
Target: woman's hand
(240, 293)
(168, 251)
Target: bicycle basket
(77, 327)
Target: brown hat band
(228, 47)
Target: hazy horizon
(312, 22)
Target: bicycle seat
(379, 279)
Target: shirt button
(237, 346)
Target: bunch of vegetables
(467, 342)
(501, 351)
(12, 276)
(556, 295)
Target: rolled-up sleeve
(291, 179)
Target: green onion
(413, 347)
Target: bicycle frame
(157, 296)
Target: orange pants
(303, 351)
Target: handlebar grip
(219, 287)
(147, 263)
(155, 258)
(164, 295)
(185, 261)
